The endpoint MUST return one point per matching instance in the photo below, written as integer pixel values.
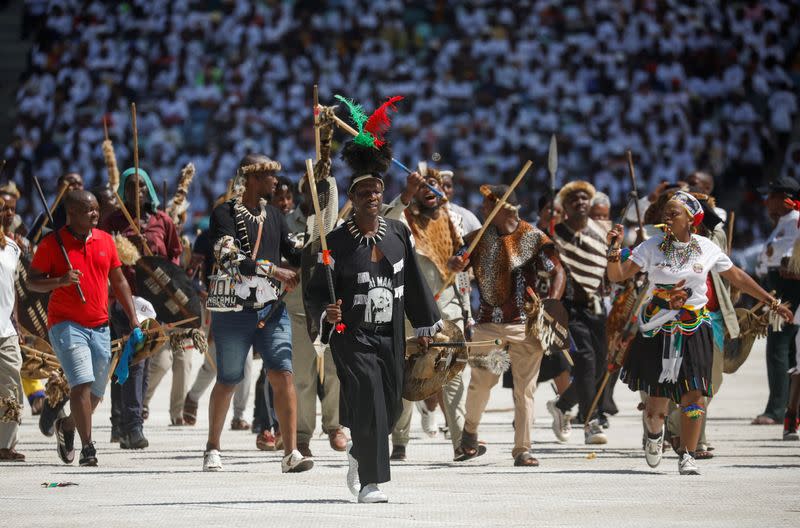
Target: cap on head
(783, 184)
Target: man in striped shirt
(582, 248)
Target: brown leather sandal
(189, 411)
(469, 448)
(525, 459)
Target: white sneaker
(294, 462)
(429, 424)
(562, 427)
(593, 433)
(687, 465)
(654, 449)
(371, 494)
(212, 461)
(353, 483)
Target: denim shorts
(84, 354)
(236, 332)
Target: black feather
(367, 160)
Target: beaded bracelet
(614, 255)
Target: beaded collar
(363, 239)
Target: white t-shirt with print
(652, 260)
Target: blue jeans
(236, 332)
(84, 354)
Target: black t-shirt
(275, 242)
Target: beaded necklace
(677, 255)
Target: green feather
(357, 113)
(359, 117)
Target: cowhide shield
(169, 289)
(32, 306)
(553, 332)
(426, 373)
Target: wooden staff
(317, 141)
(136, 161)
(57, 235)
(486, 224)
(164, 194)
(731, 220)
(132, 222)
(47, 219)
(606, 377)
(635, 190)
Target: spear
(552, 166)
(486, 224)
(731, 220)
(57, 235)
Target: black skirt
(642, 367)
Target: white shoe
(561, 421)
(371, 494)
(212, 461)
(654, 449)
(294, 462)
(593, 433)
(353, 483)
(429, 424)
(687, 465)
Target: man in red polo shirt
(79, 332)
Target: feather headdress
(369, 154)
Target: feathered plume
(364, 138)
(177, 206)
(367, 160)
(111, 164)
(128, 253)
(379, 122)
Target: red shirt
(95, 259)
(713, 303)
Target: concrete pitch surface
(753, 480)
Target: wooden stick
(132, 223)
(603, 384)
(105, 127)
(486, 224)
(46, 220)
(346, 208)
(731, 220)
(136, 161)
(317, 141)
(164, 194)
(350, 130)
(632, 172)
(113, 366)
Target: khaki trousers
(306, 377)
(181, 363)
(454, 397)
(526, 358)
(10, 387)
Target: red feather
(378, 123)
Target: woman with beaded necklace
(671, 355)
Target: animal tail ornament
(371, 130)
(111, 164)
(496, 361)
(128, 253)
(178, 206)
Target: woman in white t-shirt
(671, 355)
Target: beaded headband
(691, 204)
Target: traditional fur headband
(691, 204)
(575, 186)
(266, 166)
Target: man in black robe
(377, 281)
